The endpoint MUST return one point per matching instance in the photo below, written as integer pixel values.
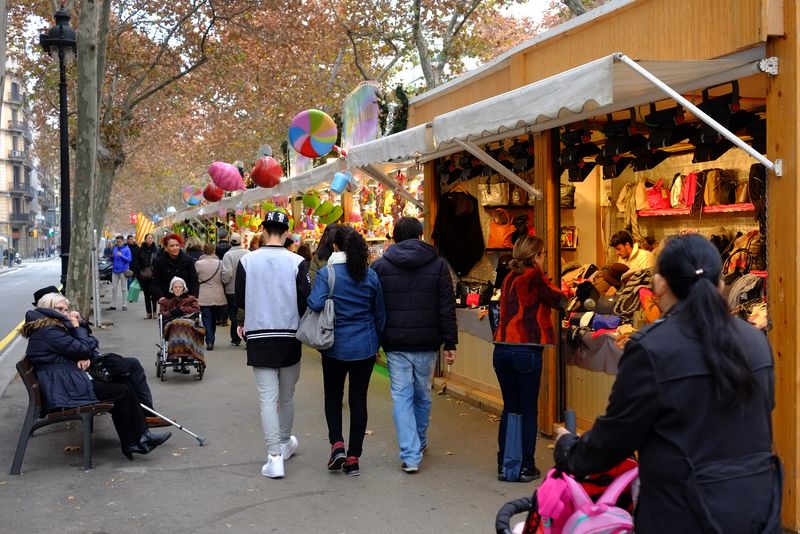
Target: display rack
(725, 208)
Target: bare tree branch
(576, 6)
(336, 66)
(355, 54)
(422, 46)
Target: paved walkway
(182, 487)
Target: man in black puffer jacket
(420, 318)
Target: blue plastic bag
(512, 454)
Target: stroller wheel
(158, 370)
(200, 371)
(163, 368)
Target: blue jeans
(519, 372)
(209, 316)
(411, 374)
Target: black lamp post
(59, 42)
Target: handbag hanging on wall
(500, 233)
(495, 192)
(518, 196)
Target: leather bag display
(501, 233)
(567, 196)
(657, 196)
(316, 328)
(473, 293)
(495, 192)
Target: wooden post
(783, 223)
(430, 192)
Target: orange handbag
(500, 233)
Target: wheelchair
(181, 346)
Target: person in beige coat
(212, 291)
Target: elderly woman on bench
(61, 349)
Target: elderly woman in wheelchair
(182, 336)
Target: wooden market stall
(654, 31)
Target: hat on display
(277, 217)
(236, 239)
(613, 274)
(39, 293)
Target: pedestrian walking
(120, 271)
(272, 287)
(170, 263)
(323, 252)
(194, 247)
(420, 318)
(693, 396)
(134, 248)
(223, 246)
(524, 328)
(147, 255)
(212, 292)
(230, 263)
(360, 319)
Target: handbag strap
(331, 280)
(219, 264)
(504, 212)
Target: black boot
(146, 443)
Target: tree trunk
(576, 6)
(107, 165)
(79, 274)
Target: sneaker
(274, 467)
(111, 308)
(236, 343)
(350, 467)
(423, 448)
(338, 456)
(527, 474)
(409, 468)
(288, 449)
(124, 308)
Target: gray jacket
(230, 261)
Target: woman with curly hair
(173, 262)
(360, 318)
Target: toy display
(312, 133)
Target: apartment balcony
(26, 218)
(18, 155)
(22, 188)
(14, 98)
(47, 200)
(22, 127)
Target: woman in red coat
(525, 327)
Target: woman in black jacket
(693, 396)
(171, 263)
(61, 350)
(147, 256)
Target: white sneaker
(274, 467)
(288, 449)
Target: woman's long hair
(325, 246)
(353, 244)
(692, 267)
(525, 248)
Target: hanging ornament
(312, 133)
(267, 172)
(226, 176)
(192, 195)
(212, 192)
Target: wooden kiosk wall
(675, 30)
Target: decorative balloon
(226, 176)
(263, 150)
(213, 193)
(267, 172)
(340, 181)
(312, 133)
(311, 200)
(331, 217)
(192, 195)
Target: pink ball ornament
(226, 176)
(267, 172)
(212, 192)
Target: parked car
(104, 268)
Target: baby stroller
(181, 346)
(601, 503)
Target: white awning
(602, 86)
(405, 145)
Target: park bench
(37, 417)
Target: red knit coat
(526, 301)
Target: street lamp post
(59, 41)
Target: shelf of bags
(725, 208)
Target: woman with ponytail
(525, 327)
(693, 397)
(359, 321)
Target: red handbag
(500, 233)
(658, 196)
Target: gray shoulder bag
(316, 328)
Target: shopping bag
(512, 455)
(133, 291)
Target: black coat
(54, 348)
(223, 246)
(146, 256)
(165, 268)
(663, 404)
(418, 296)
(458, 232)
(134, 258)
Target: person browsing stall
(630, 254)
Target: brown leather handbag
(500, 233)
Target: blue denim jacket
(360, 314)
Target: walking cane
(200, 439)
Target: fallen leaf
(459, 402)
(449, 453)
(369, 432)
(72, 448)
(176, 454)
(463, 414)
(77, 508)
(71, 498)
(3, 482)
